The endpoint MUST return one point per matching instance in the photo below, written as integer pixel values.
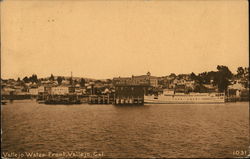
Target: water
(205, 130)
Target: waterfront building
(7, 91)
(130, 90)
(60, 90)
(33, 91)
(41, 89)
(18, 90)
(236, 88)
(129, 94)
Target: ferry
(171, 97)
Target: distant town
(222, 80)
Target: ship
(171, 97)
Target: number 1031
(240, 152)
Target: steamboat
(171, 97)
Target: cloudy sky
(104, 39)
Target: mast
(71, 76)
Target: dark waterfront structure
(129, 91)
(129, 95)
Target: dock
(101, 99)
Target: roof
(145, 76)
(121, 78)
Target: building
(236, 88)
(41, 89)
(60, 90)
(143, 80)
(153, 81)
(146, 79)
(7, 91)
(121, 80)
(129, 91)
(129, 94)
(33, 91)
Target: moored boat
(58, 99)
(170, 97)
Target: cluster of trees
(71, 81)
(220, 78)
(243, 72)
(59, 79)
(32, 79)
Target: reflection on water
(205, 130)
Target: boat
(62, 102)
(171, 97)
(3, 102)
(65, 100)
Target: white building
(41, 89)
(237, 86)
(60, 90)
(7, 91)
(33, 91)
(153, 81)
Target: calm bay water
(205, 130)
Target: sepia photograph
(124, 79)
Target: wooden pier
(101, 99)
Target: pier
(101, 99)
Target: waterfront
(198, 130)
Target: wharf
(100, 99)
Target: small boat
(41, 101)
(3, 102)
(62, 102)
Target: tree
(59, 80)
(26, 79)
(204, 78)
(222, 78)
(98, 81)
(82, 82)
(18, 79)
(225, 71)
(246, 72)
(240, 72)
(52, 78)
(172, 75)
(33, 78)
(200, 88)
(75, 81)
(193, 76)
(109, 81)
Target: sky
(106, 39)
